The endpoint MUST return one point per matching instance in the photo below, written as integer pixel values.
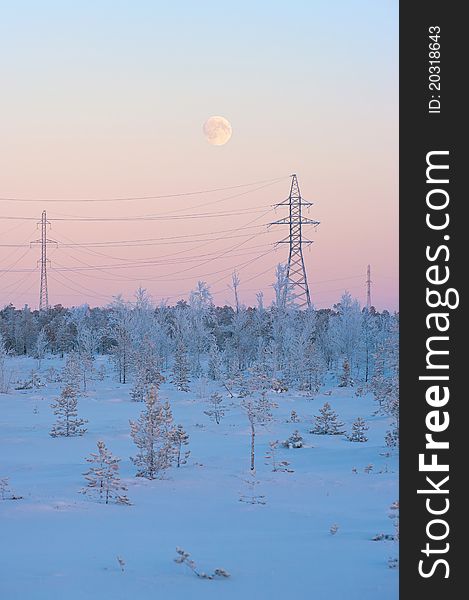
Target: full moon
(217, 130)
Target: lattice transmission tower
(296, 278)
(43, 261)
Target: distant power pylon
(296, 277)
(368, 287)
(44, 292)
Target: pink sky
(104, 115)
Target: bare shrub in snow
(281, 466)
(183, 558)
(258, 410)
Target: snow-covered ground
(56, 544)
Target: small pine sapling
(294, 441)
(183, 558)
(217, 409)
(180, 438)
(103, 481)
(327, 422)
(293, 417)
(334, 529)
(278, 466)
(65, 408)
(151, 435)
(368, 469)
(359, 428)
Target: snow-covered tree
(147, 372)
(345, 328)
(294, 441)
(121, 330)
(345, 379)
(103, 481)
(359, 429)
(71, 372)
(327, 422)
(41, 345)
(180, 377)
(4, 376)
(65, 408)
(215, 363)
(216, 410)
(180, 438)
(150, 435)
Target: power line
(132, 198)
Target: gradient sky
(108, 98)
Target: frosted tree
(147, 363)
(65, 408)
(258, 410)
(41, 345)
(345, 379)
(215, 363)
(180, 438)
(294, 441)
(216, 410)
(71, 372)
(359, 429)
(312, 368)
(327, 422)
(150, 435)
(121, 329)
(4, 376)
(235, 281)
(345, 327)
(180, 377)
(282, 288)
(139, 389)
(147, 371)
(87, 344)
(103, 481)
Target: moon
(217, 131)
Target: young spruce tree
(327, 422)
(359, 429)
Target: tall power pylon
(43, 292)
(368, 287)
(296, 272)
